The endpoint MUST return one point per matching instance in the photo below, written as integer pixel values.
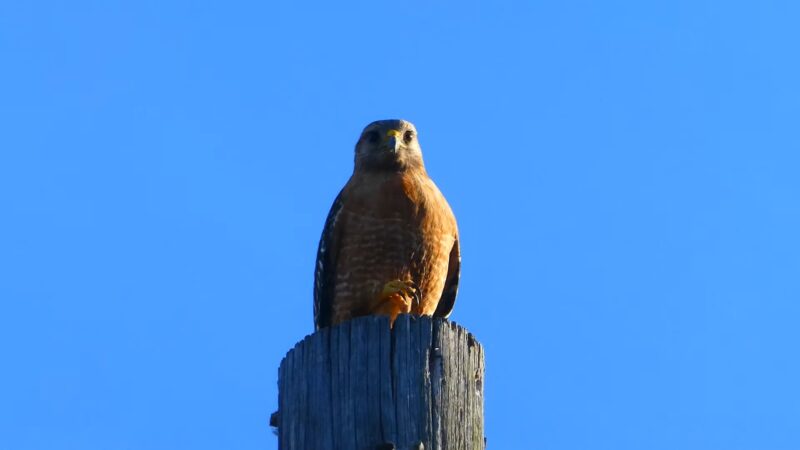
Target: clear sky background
(625, 175)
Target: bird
(390, 244)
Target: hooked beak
(392, 140)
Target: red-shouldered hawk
(390, 243)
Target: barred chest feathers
(399, 228)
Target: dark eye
(408, 136)
(372, 137)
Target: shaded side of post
(361, 385)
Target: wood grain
(363, 386)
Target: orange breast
(393, 227)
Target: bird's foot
(397, 297)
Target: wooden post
(363, 386)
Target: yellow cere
(394, 133)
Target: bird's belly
(383, 250)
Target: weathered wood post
(363, 386)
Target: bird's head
(389, 145)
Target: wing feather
(325, 271)
(448, 299)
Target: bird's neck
(379, 176)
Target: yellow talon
(397, 297)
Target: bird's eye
(408, 136)
(372, 137)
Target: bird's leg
(397, 297)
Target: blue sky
(625, 175)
